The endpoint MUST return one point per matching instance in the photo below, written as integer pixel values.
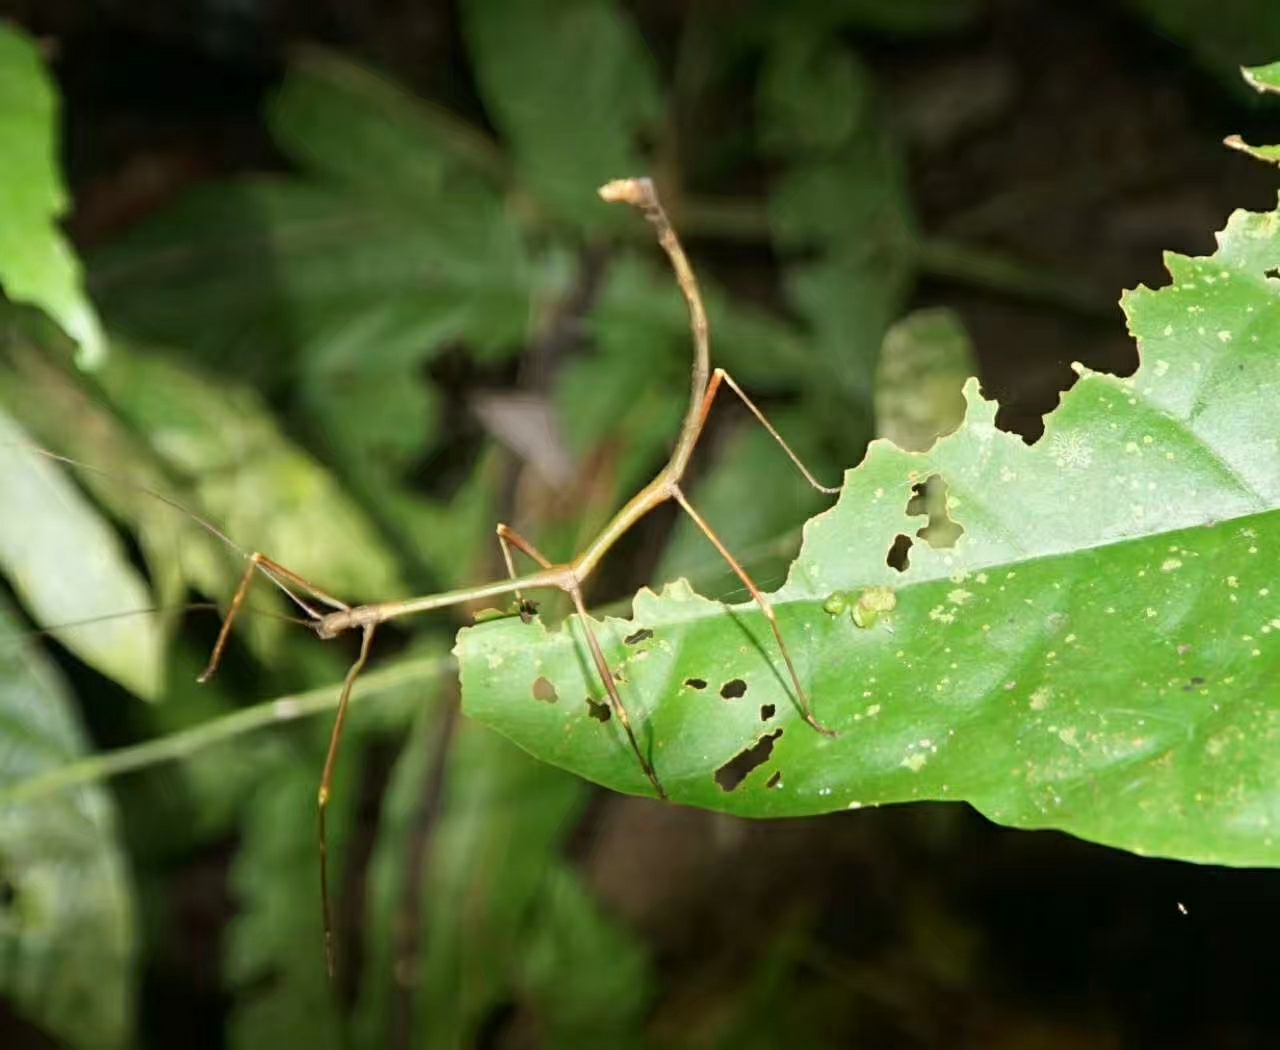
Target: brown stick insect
(570, 577)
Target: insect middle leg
(765, 605)
(719, 377)
(509, 538)
(287, 581)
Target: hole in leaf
(696, 683)
(1193, 683)
(738, 768)
(528, 610)
(929, 497)
(642, 635)
(897, 558)
(733, 689)
(775, 779)
(599, 710)
(767, 712)
(1273, 272)
(546, 692)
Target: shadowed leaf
(66, 903)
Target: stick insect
(570, 577)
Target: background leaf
(36, 263)
(908, 16)
(840, 208)
(71, 571)
(925, 360)
(263, 488)
(275, 956)
(1263, 78)
(66, 922)
(503, 820)
(570, 85)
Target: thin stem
(743, 219)
(982, 267)
(188, 742)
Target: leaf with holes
(1098, 652)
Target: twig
(188, 742)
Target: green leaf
(275, 961)
(452, 536)
(266, 492)
(336, 289)
(630, 389)
(630, 392)
(1263, 78)
(388, 928)
(395, 217)
(849, 298)
(588, 978)
(70, 570)
(207, 790)
(493, 845)
(275, 953)
(814, 96)
(894, 16)
(66, 922)
(502, 918)
(1270, 154)
(67, 414)
(379, 414)
(349, 125)
(37, 265)
(504, 821)
(249, 272)
(147, 426)
(1096, 654)
(570, 84)
(841, 218)
(925, 359)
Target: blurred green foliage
(293, 353)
